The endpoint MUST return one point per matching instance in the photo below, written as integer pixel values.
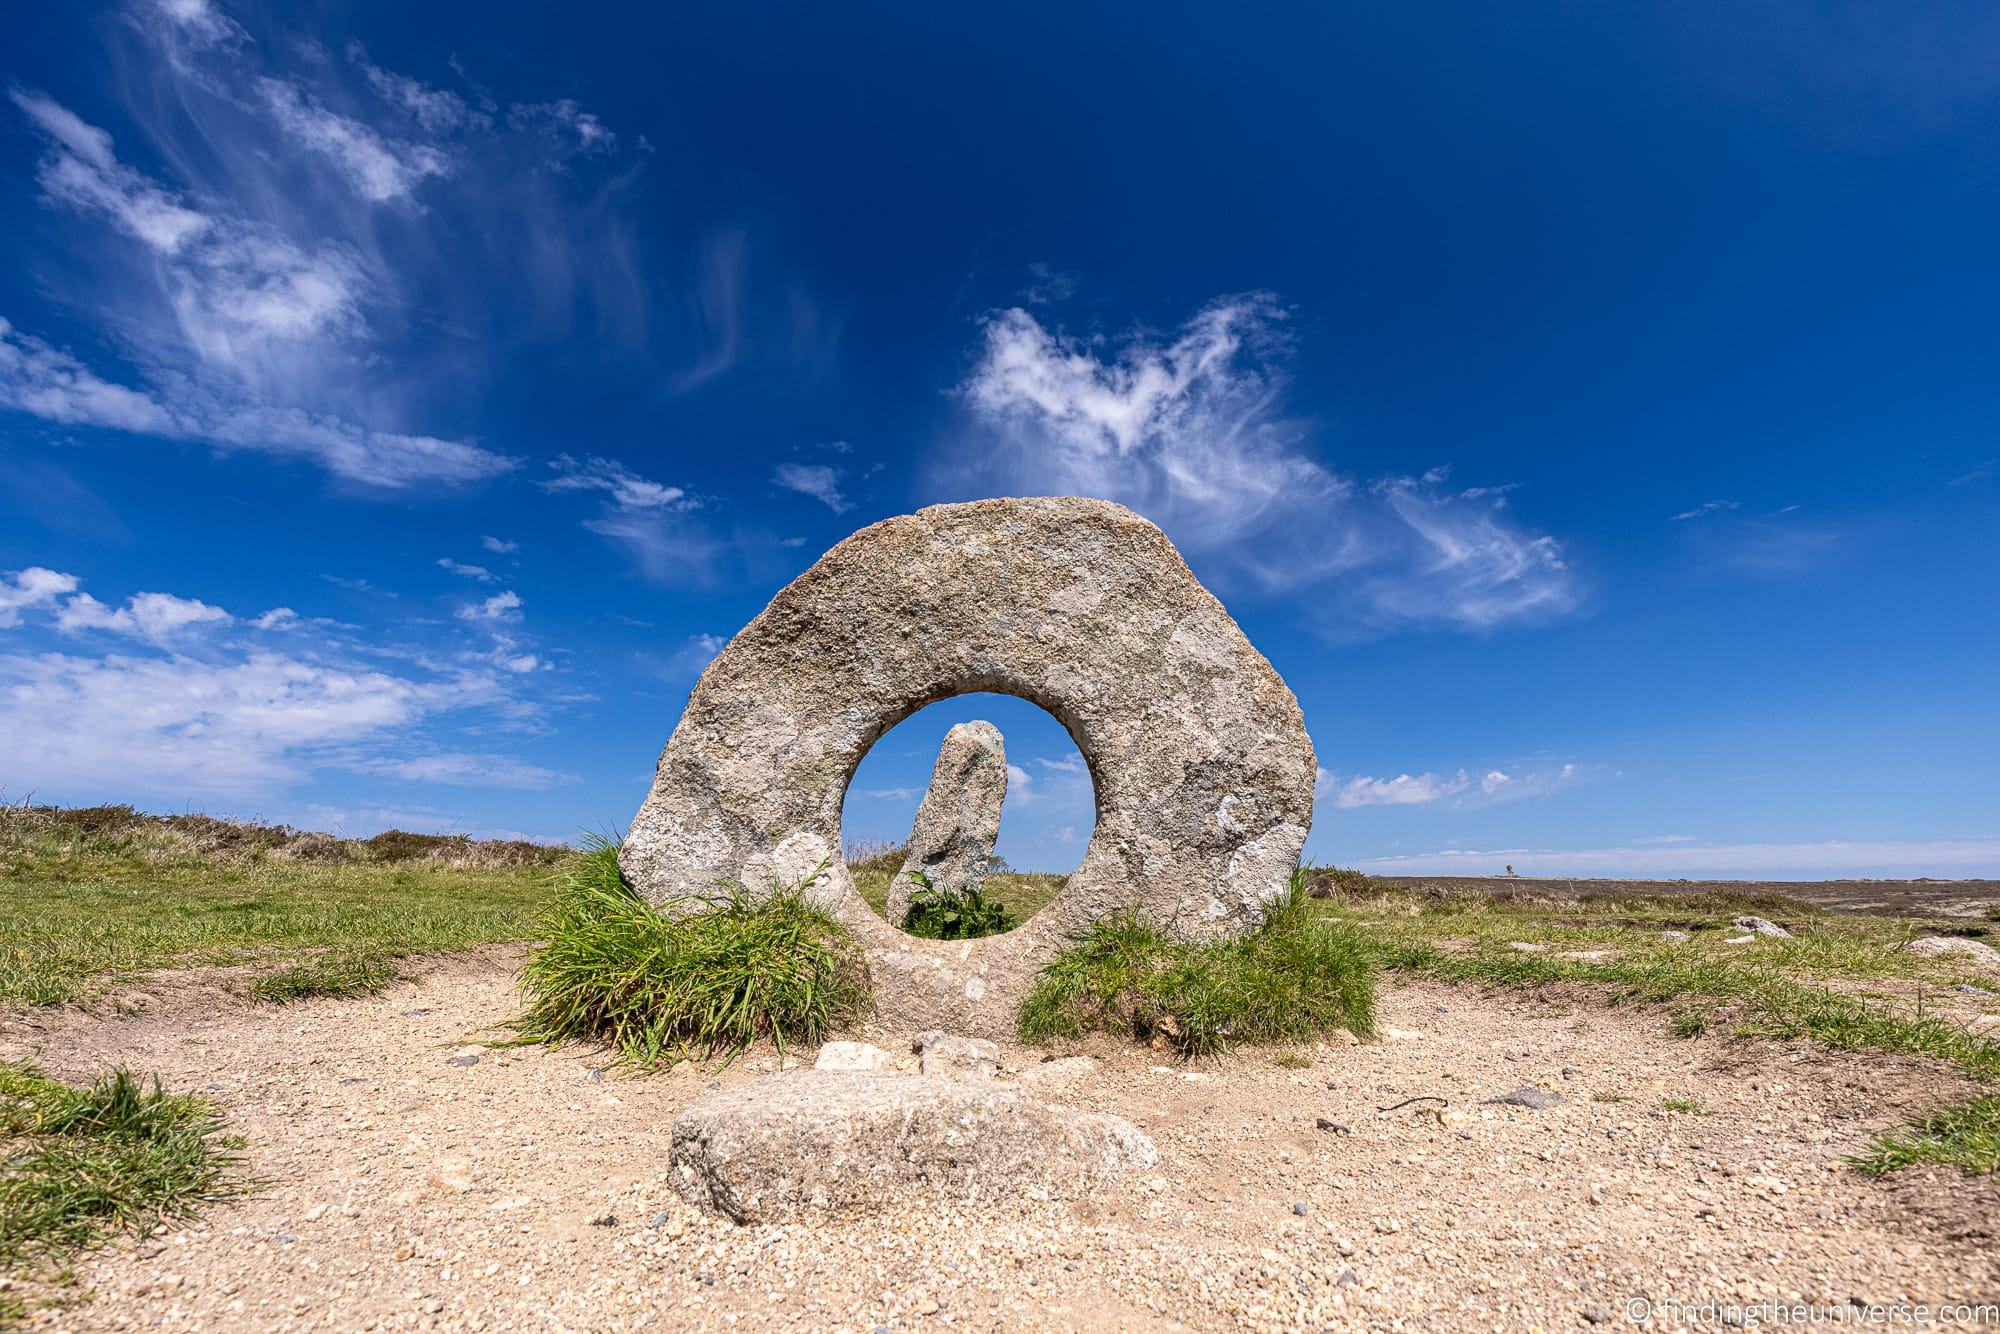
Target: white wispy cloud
(244, 273)
(575, 129)
(243, 299)
(1191, 432)
(653, 522)
(499, 546)
(31, 588)
(1402, 790)
(627, 489)
(1021, 789)
(1972, 856)
(174, 727)
(437, 111)
(155, 617)
(82, 170)
(1771, 544)
(37, 379)
(233, 286)
(463, 769)
(1493, 785)
(501, 607)
(464, 571)
(1982, 471)
(199, 21)
(379, 169)
(1047, 284)
(821, 481)
(189, 710)
(1703, 510)
(53, 385)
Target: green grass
(1295, 979)
(329, 975)
(612, 968)
(80, 1166)
(1843, 980)
(86, 901)
(1683, 1107)
(1020, 894)
(1763, 1002)
(1966, 1137)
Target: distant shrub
(400, 845)
(1296, 978)
(1324, 882)
(869, 856)
(614, 968)
(39, 833)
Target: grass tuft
(81, 1165)
(328, 975)
(615, 969)
(1298, 977)
(1967, 1136)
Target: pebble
(1530, 1097)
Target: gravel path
(410, 1187)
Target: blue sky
(1591, 410)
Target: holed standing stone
(1198, 752)
(951, 843)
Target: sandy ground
(527, 1189)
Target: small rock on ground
(1537, 1099)
(1972, 950)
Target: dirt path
(527, 1191)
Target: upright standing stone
(1203, 770)
(952, 841)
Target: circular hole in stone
(921, 801)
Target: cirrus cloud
(1191, 431)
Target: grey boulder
(816, 1142)
(1533, 1098)
(1972, 951)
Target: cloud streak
(1495, 785)
(1974, 856)
(54, 386)
(1191, 431)
(279, 226)
(199, 706)
(821, 481)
